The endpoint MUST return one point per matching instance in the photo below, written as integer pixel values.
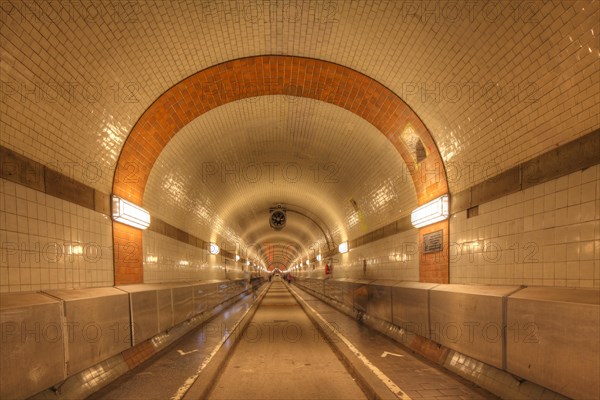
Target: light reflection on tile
(546, 245)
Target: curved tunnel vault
(138, 174)
(236, 162)
(100, 99)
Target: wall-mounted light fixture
(343, 247)
(237, 258)
(431, 212)
(318, 257)
(127, 213)
(74, 249)
(214, 248)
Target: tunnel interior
(429, 170)
(258, 154)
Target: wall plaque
(433, 242)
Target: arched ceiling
(76, 78)
(336, 173)
(495, 83)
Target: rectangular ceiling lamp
(343, 247)
(429, 213)
(127, 213)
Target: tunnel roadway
(281, 354)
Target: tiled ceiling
(338, 176)
(495, 83)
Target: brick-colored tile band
(127, 254)
(261, 76)
(433, 267)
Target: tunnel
(299, 199)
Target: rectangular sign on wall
(433, 242)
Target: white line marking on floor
(190, 381)
(185, 353)
(387, 353)
(382, 377)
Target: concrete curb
(497, 382)
(206, 380)
(113, 368)
(369, 383)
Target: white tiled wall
(522, 77)
(48, 243)
(169, 260)
(394, 257)
(547, 235)
(496, 86)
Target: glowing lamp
(429, 213)
(127, 213)
(343, 247)
(214, 248)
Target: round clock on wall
(277, 219)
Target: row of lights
(429, 213)
(131, 214)
(342, 248)
(151, 259)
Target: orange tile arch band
(263, 76)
